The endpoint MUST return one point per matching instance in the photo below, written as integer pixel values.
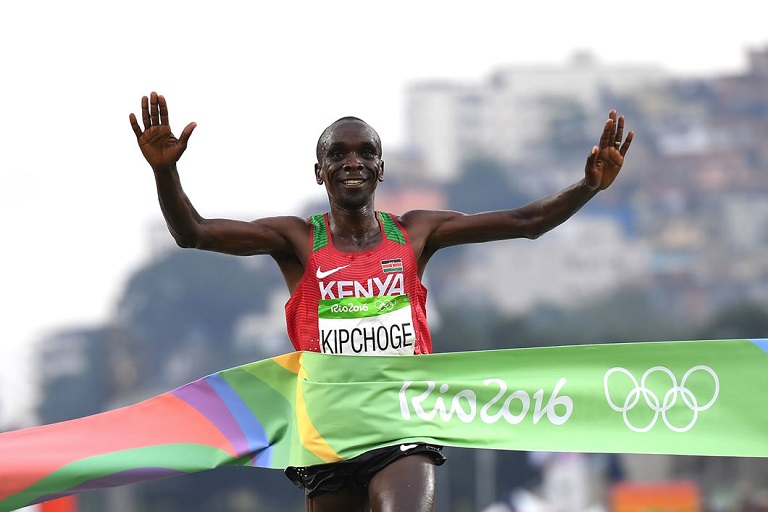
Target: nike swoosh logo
(406, 447)
(320, 274)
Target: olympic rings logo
(670, 399)
(384, 304)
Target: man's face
(350, 163)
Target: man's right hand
(158, 145)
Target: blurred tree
(72, 365)
(745, 320)
(183, 308)
(465, 328)
(228, 489)
(625, 315)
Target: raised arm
(162, 150)
(432, 230)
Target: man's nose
(352, 162)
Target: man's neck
(354, 230)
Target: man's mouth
(350, 181)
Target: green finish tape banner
(685, 397)
(672, 397)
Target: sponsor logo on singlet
(320, 274)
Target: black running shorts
(358, 471)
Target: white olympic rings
(384, 305)
(669, 400)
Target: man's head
(322, 142)
(349, 161)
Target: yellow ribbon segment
(290, 361)
(308, 435)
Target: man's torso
(360, 303)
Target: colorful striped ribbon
(684, 397)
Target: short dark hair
(323, 140)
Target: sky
(261, 79)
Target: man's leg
(406, 485)
(348, 499)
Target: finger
(612, 116)
(163, 109)
(145, 112)
(135, 125)
(154, 113)
(185, 133)
(627, 143)
(619, 132)
(606, 140)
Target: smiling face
(349, 163)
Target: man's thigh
(408, 484)
(348, 499)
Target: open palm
(606, 159)
(157, 143)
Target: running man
(354, 275)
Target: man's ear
(318, 177)
(381, 172)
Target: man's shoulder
(287, 225)
(414, 218)
(284, 220)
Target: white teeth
(352, 182)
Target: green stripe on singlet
(320, 234)
(391, 230)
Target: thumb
(186, 133)
(590, 176)
(592, 158)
